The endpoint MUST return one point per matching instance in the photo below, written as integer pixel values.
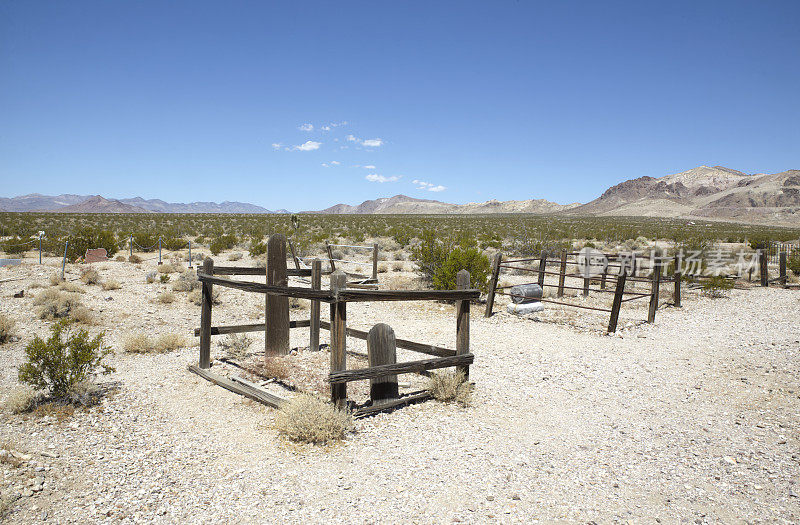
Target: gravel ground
(692, 419)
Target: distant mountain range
(704, 192)
(97, 204)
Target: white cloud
(330, 164)
(372, 143)
(308, 145)
(368, 167)
(351, 138)
(330, 126)
(374, 177)
(306, 127)
(277, 145)
(422, 185)
(335, 162)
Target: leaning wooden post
(375, 262)
(782, 262)
(562, 273)
(678, 276)
(276, 337)
(762, 267)
(64, 260)
(294, 257)
(603, 276)
(655, 287)
(338, 337)
(382, 350)
(330, 256)
(615, 306)
(462, 320)
(542, 266)
(205, 316)
(316, 284)
(498, 258)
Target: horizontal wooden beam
(242, 328)
(258, 270)
(408, 367)
(388, 405)
(408, 295)
(291, 291)
(256, 394)
(400, 343)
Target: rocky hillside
(98, 204)
(39, 202)
(403, 204)
(708, 192)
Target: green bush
(58, 364)
(439, 261)
(716, 286)
(222, 243)
(793, 263)
(173, 244)
(146, 241)
(90, 238)
(257, 248)
(17, 245)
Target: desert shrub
(84, 393)
(383, 268)
(337, 254)
(222, 243)
(196, 297)
(236, 345)
(257, 248)
(166, 268)
(55, 279)
(470, 259)
(55, 304)
(146, 241)
(71, 287)
(138, 344)
(163, 278)
(21, 399)
(111, 284)
(166, 298)
(135, 259)
(57, 364)
(450, 386)
(717, 286)
(308, 419)
(272, 366)
(150, 277)
(236, 256)
(7, 331)
(82, 315)
(397, 266)
(173, 244)
(793, 264)
(399, 256)
(16, 246)
(120, 258)
(169, 342)
(90, 275)
(88, 237)
(186, 282)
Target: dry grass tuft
(7, 332)
(56, 279)
(299, 304)
(236, 345)
(166, 268)
(90, 276)
(166, 298)
(55, 304)
(66, 286)
(196, 297)
(186, 282)
(450, 386)
(383, 268)
(138, 344)
(169, 342)
(60, 411)
(21, 400)
(111, 284)
(83, 315)
(272, 366)
(135, 259)
(236, 256)
(308, 419)
(397, 266)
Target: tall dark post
(205, 316)
(462, 319)
(382, 350)
(338, 337)
(316, 284)
(498, 258)
(276, 339)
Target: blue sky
(196, 100)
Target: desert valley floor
(692, 419)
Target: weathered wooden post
(462, 320)
(330, 256)
(159, 251)
(316, 284)
(190, 255)
(655, 287)
(40, 247)
(782, 263)
(64, 260)
(603, 276)
(498, 258)
(338, 337)
(762, 266)
(276, 337)
(678, 276)
(205, 316)
(375, 262)
(130, 246)
(382, 350)
(542, 267)
(615, 306)
(294, 256)
(562, 273)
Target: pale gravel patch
(691, 419)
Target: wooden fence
(362, 281)
(277, 325)
(607, 282)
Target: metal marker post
(159, 250)
(40, 247)
(64, 261)
(190, 254)
(130, 245)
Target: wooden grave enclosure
(381, 342)
(613, 280)
(358, 280)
